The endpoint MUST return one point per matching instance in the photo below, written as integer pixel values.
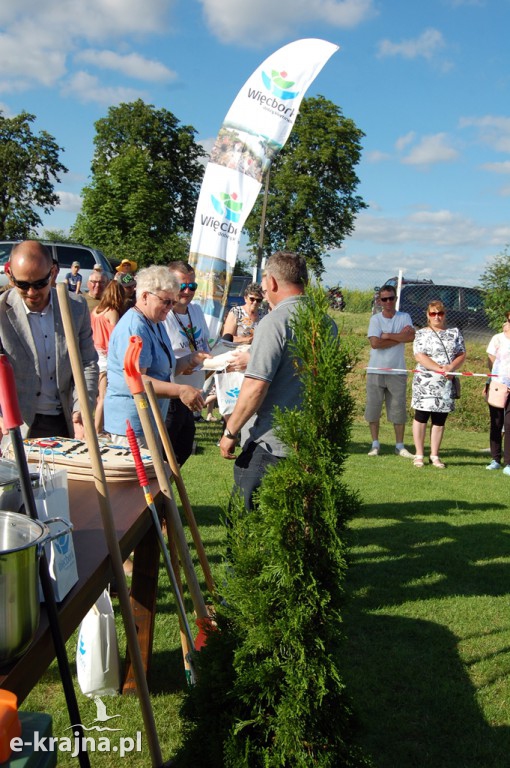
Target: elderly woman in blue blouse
(436, 348)
(156, 292)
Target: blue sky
(427, 82)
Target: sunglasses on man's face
(436, 314)
(388, 298)
(36, 285)
(191, 286)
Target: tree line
(146, 173)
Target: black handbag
(455, 387)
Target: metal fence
(465, 307)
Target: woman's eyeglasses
(252, 298)
(191, 286)
(388, 298)
(436, 314)
(166, 302)
(36, 285)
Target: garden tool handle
(8, 395)
(135, 450)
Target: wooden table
(135, 533)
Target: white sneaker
(404, 453)
(374, 451)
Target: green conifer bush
(269, 692)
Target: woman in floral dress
(438, 350)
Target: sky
(427, 82)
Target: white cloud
(131, 65)
(37, 37)
(427, 45)
(6, 110)
(497, 167)
(440, 244)
(346, 262)
(251, 23)
(436, 228)
(87, 88)
(493, 130)
(431, 149)
(376, 156)
(69, 202)
(403, 141)
(44, 65)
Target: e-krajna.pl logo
(123, 745)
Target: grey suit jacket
(17, 343)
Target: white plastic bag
(52, 500)
(228, 386)
(97, 653)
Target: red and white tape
(442, 373)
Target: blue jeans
(249, 469)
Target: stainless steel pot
(10, 488)
(21, 541)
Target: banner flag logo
(255, 129)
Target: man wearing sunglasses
(187, 328)
(388, 333)
(32, 336)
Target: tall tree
(146, 176)
(496, 283)
(269, 685)
(311, 205)
(30, 166)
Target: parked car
(65, 254)
(376, 306)
(394, 281)
(465, 306)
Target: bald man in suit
(32, 336)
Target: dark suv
(465, 306)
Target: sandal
(418, 461)
(434, 460)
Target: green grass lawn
(427, 658)
(427, 619)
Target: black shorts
(438, 419)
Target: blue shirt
(156, 356)
(73, 280)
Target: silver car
(64, 254)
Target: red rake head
(132, 365)
(205, 626)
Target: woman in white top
(499, 363)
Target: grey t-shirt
(272, 361)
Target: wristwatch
(229, 434)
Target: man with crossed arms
(388, 333)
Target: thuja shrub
(269, 692)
